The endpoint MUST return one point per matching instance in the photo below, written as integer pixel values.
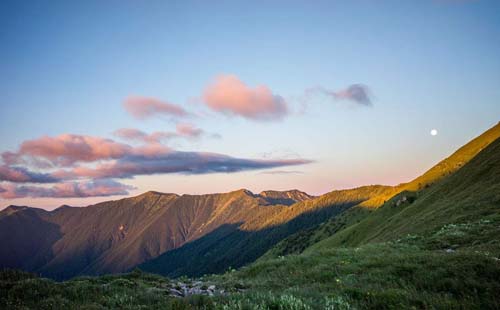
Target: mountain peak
(154, 194)
(13, 209)
(287, 197)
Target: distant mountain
(240, 243)
(197, 234)
(115, 236)
(285, 197)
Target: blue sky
(68, 67)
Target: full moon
(434, 132)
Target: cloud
(356, 93)
(229, 95)
(175, 162)
(188, 130)
(145, 107)
(23, 175)
(96, 188)
(94, 162)
(68, 149)
(183, 130)
(141, 136)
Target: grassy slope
(472, 193)
(136, 290)
(439, 251)
(298, 242)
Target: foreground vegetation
(454, 267)
(442, 270)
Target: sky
(101, 100)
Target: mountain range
(193, 235)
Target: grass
(417, 271)
(136, 290)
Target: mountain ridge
(211, 231)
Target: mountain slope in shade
(115, 236)
(237, 244)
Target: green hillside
(470, 195)
(298, 242)
(434, 248)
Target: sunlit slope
(443, 168)
(301, 240)
(235, 245)
(470, 194)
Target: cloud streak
(183, 130)
(146, 107)
(229, 95)
(23, 175)
(358, 94)
(84, 166)
(176, 162)
(97, 188)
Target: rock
(211, 288)
(175, 292)
(195, 291)
(449, 250)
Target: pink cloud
(230, 95)
(92, 158)
(66, 190)
(67, 149)
(183, 130)
(189, 130)
(145, 107)
(138, 135)
(23, 175)
(130, 133)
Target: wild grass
(392, 275)
(456, 266)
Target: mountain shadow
(230, 246)
(29, 238)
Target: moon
(434, 132)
